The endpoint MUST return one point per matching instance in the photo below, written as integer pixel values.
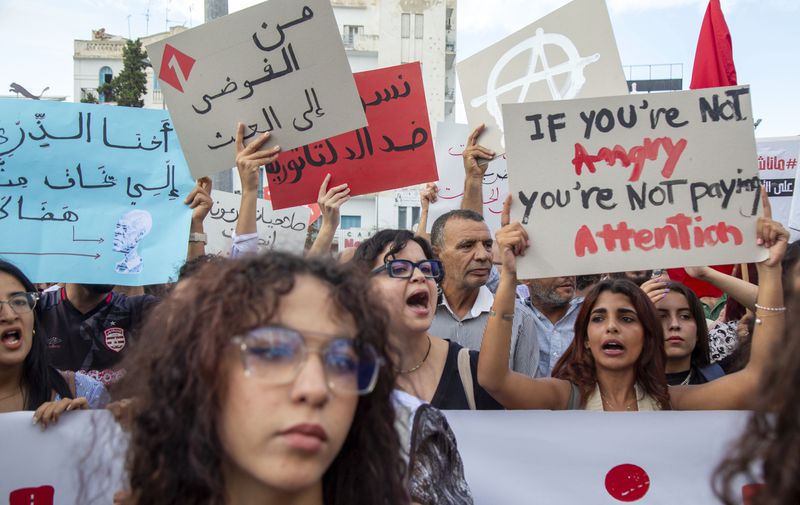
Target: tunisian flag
(713, 67)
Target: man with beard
(555, 308)
(462, 242)
(637, 277)
(88, 327)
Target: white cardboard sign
(635, 182)
(281, 230)
(450, 142)
(278, 67)
(777, 167)
(570, 53)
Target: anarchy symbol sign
(538, 70)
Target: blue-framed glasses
(404, 269)
(276, 354)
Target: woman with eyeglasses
(27, 380)
(405, 277)
(265, 382)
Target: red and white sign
(394, 151)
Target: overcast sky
(37, 36)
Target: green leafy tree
(130, 85)
(90, 98)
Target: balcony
(361, 43)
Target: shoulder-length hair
(39, 377)
(701, 354)
(577, 364)
(769, 448)
(174, 373)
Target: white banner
(510, 457)
(777, 167)
(593, 458)
(634, 182)
(280, 230)
(451, 139)
(570, 53)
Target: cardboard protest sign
(634, 182)
(570, 53)
(574, 466)
(278, 67)
(281, 230)
(394, 151)
(80, 460)
(353, 237)
(450, 142)
(92, 194)
(777, 168)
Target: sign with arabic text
(394, 151)
(777, 168)
(92, 194)
(634, 182)
(570, 53)
(278, 67)
(451, 140)
(282, 230)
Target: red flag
(713, 67)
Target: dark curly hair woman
(265, 381)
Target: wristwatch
(198, 237)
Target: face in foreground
(16, 330)
(615, 334)
(680, 328)
(282, 438)
(411, 303)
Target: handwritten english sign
(777, 168)
(451, 140)
(282, 230)
(92, 194)
(570, 53)
(394, 151)
(635, 182)
(278, 67)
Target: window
(350, 222)
(411, 48)
(414, 216)
(402, 217)
(349, 33)
(106, 75)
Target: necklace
(687, 379)
(418, 365)
(628, 406)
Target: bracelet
(198, 237)
(507, 317)
(770, 309)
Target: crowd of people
(321, 379)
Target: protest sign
(597, 458)
(92, 194)
(634, 182)
(278, 67)
(509, 456)
(280, 230)
(777, 168)
(570, 53)
(394, 151)
(450, 142)
(353, 237)
(80, 460)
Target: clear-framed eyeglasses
(276, 354)
(404, 269)
(21, 303)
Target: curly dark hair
(770, 445)
(577, 364)
(39, 377)
(368, 251)
(701, 354)
(175, 453)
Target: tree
(90, 98)
(128, 87)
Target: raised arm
(248, 163)
(512, 389)
(426, 197)
(329, 200)
(738, 289)
(738, 390)
(199, 200)
(476, 159)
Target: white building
(376, 34)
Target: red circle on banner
(627, 482)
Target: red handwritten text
(636, 156)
